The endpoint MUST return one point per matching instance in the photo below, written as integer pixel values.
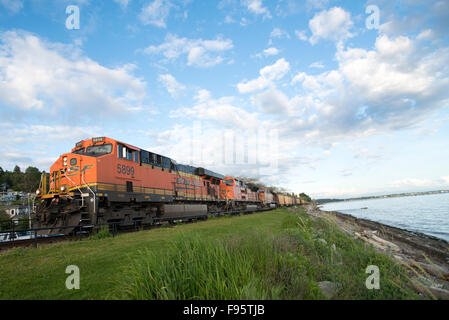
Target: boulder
(328, 288)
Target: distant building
(7, 196)
(13, 195)
(18, 211)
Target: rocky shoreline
(426, 257)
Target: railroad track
(36, 242)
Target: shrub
(101, 234)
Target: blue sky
(304, 95)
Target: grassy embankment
(269, 255)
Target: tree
(305, 197)
(31, 179)
(17, 169)
(4, 220)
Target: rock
(328, 288)
(434, 270)
(401, 259)
(439, 293)
(426, 282)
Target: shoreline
(417, 233)
(427, 257)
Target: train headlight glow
(38, 192)
(65, 161)
(63, 189)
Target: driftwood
(371, 238)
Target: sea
(428, 214)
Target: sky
(331, 98)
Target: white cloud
(225, 137)
(53, 77)
(255, 6)
(170, 83)
(272, 101)
(391, 87)
(317, 4)
(279, 33)
(12, 5)
(276, 71)
(123, 3)
(388, 71)
(229, 19)
(268, 74)
(36, 140)
(22, 133)
(317, 65)
(271, 51)
(198, 51)
(156, 13)
(301, 35)
(221, 110)
(427, 34)
(446, 179)
(412, 182)
(244, 22)
(333, 24)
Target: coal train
(103, 180)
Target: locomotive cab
(70, 193)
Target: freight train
(103, 180)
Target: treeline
(323, 201)
(17, 180)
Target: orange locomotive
(103, 180)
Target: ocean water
(427, 214)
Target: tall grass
(285, 265)
(192, 268)
(343, 260)
(103, 233)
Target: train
(106, 181)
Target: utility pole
(29, 212)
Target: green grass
(268, 255)
(103, 233)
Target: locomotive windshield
(99, 150)
(79, 151)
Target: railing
(15, 224)
(113, 227)
(34, 237)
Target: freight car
(103, 180)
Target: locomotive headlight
(63, 189)
(38, 192)
(65, 161)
